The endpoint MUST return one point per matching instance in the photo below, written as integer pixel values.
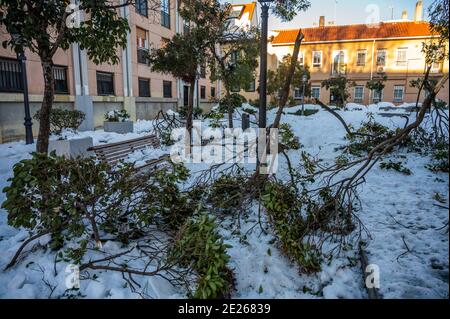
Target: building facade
(362, 53)
(97, 89)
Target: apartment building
(97, 89)
(364, 52)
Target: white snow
(406, 240)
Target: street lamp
(304, 80)
(265, 4)
(28, 123)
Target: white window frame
(334, 55)
(402, 63)
(298, 93)
(354, 94)
(301, 58)
(315, 65)
(365, 57)
(385, 58)
(381, 95)
(403, 93)
(312, 90)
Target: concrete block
(72, 148)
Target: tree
(377, 84)
(277, 79)
(235, 61)
(185, 53)
(339, 87)
(43, 27)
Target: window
(315, 92)
(165, 13)
(381, 57)
(298, 93)
(317, 58)
(142, 45)
(339, 66)
(60, 76)
(10, 75)
(361, 58)
(251, 86)
(105, 83)
(141, 7)
(399, 90)
(359, 93)
(167, 89)
(401, 56)
(436, 67)
(203, 92)
(213, 91)
(144, 87)
(377, 96)
(301, 58)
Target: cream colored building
(364, 52)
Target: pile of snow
(407, 241)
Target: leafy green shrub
(199, 245)
(79, 198)
(63, 119)
(375, 134)
(396, 166)
(283, 207)
(117, 116)
(215, 119)
(287, 138)
(196, 112)
(226, 192)
(440, 158)
(234, 100)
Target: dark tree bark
(287, 83)
(47, 102)
(230, 109)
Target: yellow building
(363, 52)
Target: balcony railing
(339, 69)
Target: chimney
(405, 15)
(322, 21)
(419, 11)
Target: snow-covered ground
(407, 240)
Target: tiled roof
(247, 8)
(384, 30)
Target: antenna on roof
(392, 12)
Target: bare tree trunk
(290, 75)
(189, 114)
(47, 102)
(230, 109)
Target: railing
(10, 76)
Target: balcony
(339, 69)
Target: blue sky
(347, 12)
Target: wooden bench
(113, 153)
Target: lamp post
(304, 80)
(265, 4)
(28, 123)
